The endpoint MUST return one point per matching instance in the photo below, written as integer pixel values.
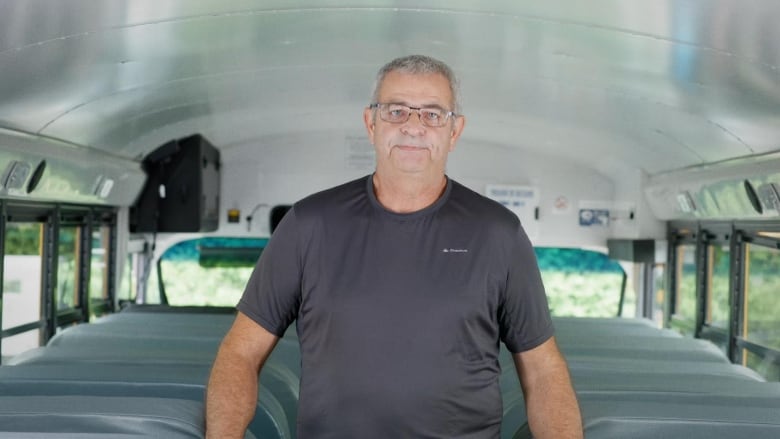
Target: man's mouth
(411, 147)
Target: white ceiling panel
(645, 85)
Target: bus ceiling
(675, 100)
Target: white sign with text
(522, 200)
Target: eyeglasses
(397, 113)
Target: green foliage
(66, 268)
(23, 239)
(719, 287)
(764, 260)
(582, 283)
(190, 284)
(769, 369)
(685, 307)
(578, 282)
(763, 296)
(585, 294)
(209, 271)
(575, 260)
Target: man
(402, 284)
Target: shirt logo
(455, 250)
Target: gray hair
(419, 65)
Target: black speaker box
(181, 193)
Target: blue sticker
(594, 217)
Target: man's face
(411, 147)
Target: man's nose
(414, 125)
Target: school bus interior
(147, 148)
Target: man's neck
(406, 194)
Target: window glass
(21, 285)
(718, 294)
(18, 343)
(659, 293)
(209, 271)
(762, 296)
(765, 367)
(98, 275)
(583, 283)
(67, 268)
(685, 294)
(127, 284)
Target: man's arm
(550, 401)
(231, 396)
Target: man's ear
(369, 122)
(457, 130)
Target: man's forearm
(551, 404)
(231, 397)
(552, 408)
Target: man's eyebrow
(436, 106)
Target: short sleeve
(524, 315)
(272, 295)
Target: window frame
(679, 236)
(740, 343)
(738, 234)
(52, 217)
(711, 235)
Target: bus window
(98, 277)
(21, 288)
(717, 311)
(762, 324)
(132, 265)
(67, 268)
(127, 283)
(208, 271)
(716, 299)
(659, 293)
(767, 367)
(684, 314)
(582, 283)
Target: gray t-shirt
(399, 316)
